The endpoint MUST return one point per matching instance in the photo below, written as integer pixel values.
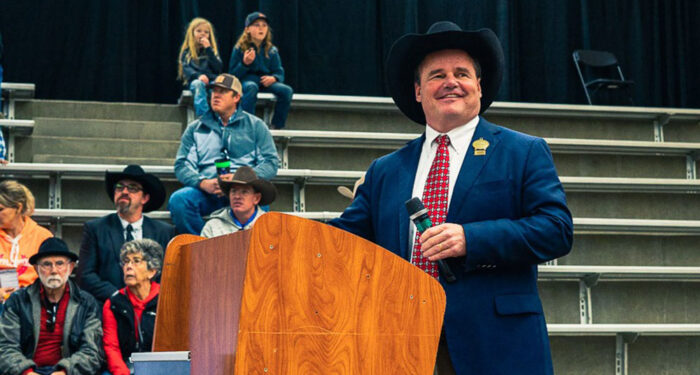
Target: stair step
(74, 159)
(109, 147)
(96, 128)
(100, 110)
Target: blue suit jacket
(99, 272)
(512, 207)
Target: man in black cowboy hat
(246, 193)
(133, 192)
(51, 326)
(493, 195)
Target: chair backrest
(599, 70)
(598, 59)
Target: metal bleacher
(587, 337)
(11, 92)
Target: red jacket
(110, 339)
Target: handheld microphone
(419, 215)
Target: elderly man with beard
(134, 192)
(51, 327)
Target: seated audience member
(3, 150)
(225, 132)
(20, 236)
(134, 192)
(199, 62)
(246, 193)
(128, 317)
(51, 327)
(256, 61)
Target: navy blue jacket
(209, 64)
(512, 207)
(262, 65)
(99, 271)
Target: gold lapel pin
(480, 146)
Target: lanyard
(250, 220)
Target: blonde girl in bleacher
(199, 61)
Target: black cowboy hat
(246, 176)
(52, 246)
(409, 50)
(151, 185)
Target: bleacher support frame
(10, 92)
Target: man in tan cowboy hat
(246, 193)
(493, 195)
(350, 194)
(133, 192)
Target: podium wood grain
(294, 296)
(318, 300)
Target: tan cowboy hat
(344, 191)
(246, 176)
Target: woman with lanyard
(20, 236)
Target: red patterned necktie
(435, 199)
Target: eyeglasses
(135, 261)
(131, 188)
(241, 191)
(59, 264)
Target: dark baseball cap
(254, 17)
(227, 81)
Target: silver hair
(151, 251)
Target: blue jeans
(187, 206)
(201, 96)
(282, 92)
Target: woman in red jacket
(129, 316)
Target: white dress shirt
(137, 226)
(460, 139)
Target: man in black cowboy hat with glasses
(493, 195)
(51, 327)
(133, 192)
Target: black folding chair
(602, 73)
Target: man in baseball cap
(224, 132)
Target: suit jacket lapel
(472, 166)
(147, 230)
(116, 235)
(407, 174)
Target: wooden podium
(294, 296)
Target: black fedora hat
(52, 246)
(410, 50)
(246, 176)
(151, 185)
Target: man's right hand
(211, 186)
(249, 56)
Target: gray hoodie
(220, 222)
